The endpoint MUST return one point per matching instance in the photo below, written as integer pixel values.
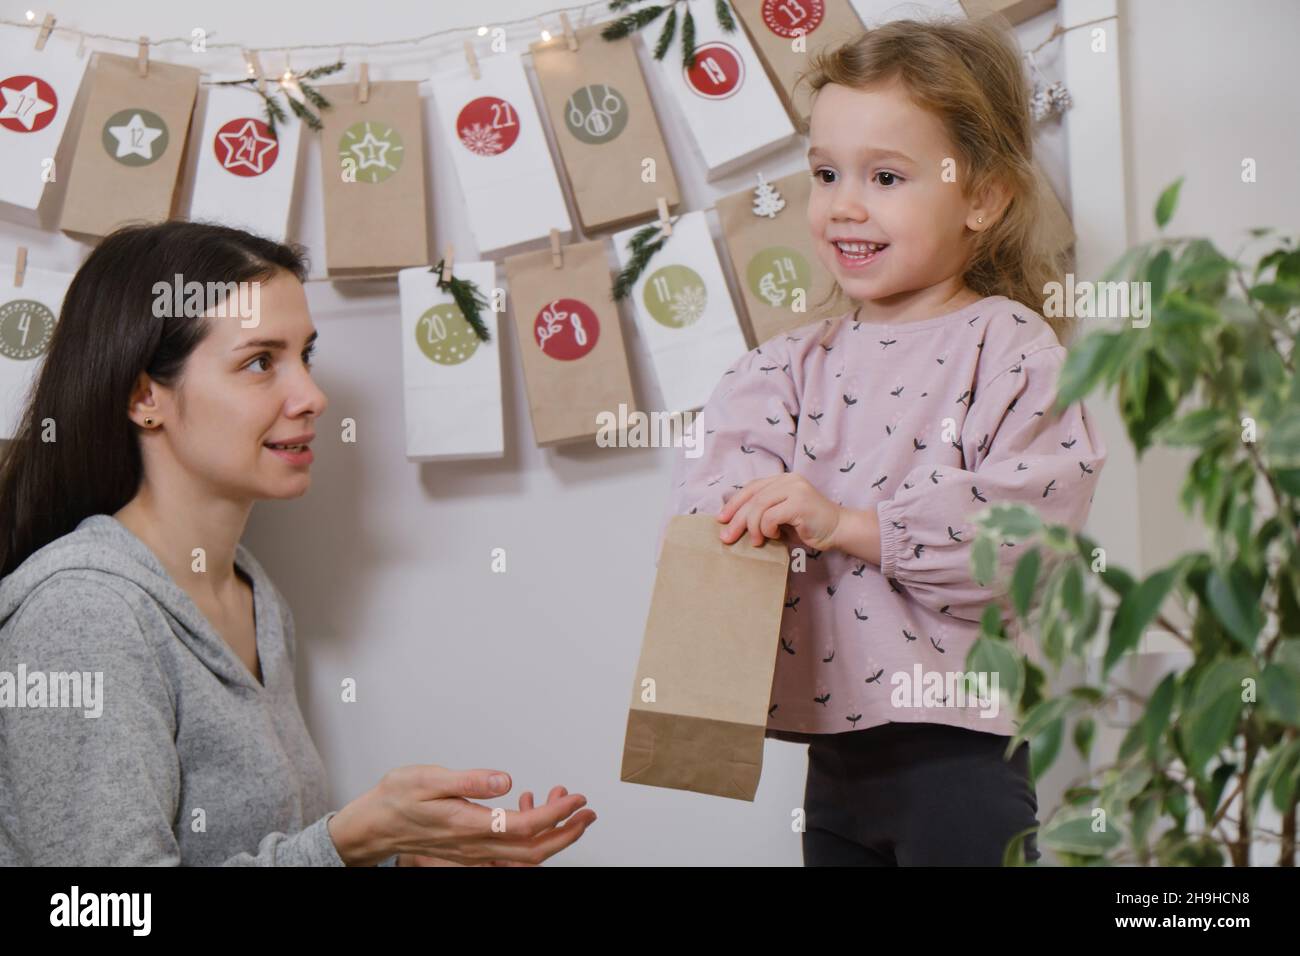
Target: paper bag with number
(704, 680)
(38, 87)
(28, 314)
(606, 128)
(685, 313)
(451, 379)
(575, 362)
(766, 231)
(787, 33)
(372, 174)
(130, 145)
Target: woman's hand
(525, 803)
(764, 504)
(426, 810)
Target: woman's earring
(980, 219)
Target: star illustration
(24, 105)
(246, 147)
(372, 151)
(135, 138)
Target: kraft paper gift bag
(372, 176)
(703, 683)
(245, 172)
(451, 379)
(684, 313)
(606, 128)
(575, 360)
(130, 145)
(38, 87)
(786, 34)
(499, 149)
(725, 100)
(766, 233)
(28, 314)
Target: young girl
(876, 436)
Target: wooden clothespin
(568, 32)
(255, 69)
(20, 267)
(363, 85)
(472, 60)
(142, 56)
(46, 26)
(664, 224)
(446, 262)
(557, 258)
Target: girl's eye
(817, 175)
(892, 177)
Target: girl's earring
(980, 219)
(148, 421)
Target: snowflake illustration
(688, 304)
(481, 140)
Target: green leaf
(1078, 834)
(1167, 202)
(1279, 695)
(1210, 720)
(1088, 362)
(1136, 610)
(1234, 600)
(1155, 721)
(1084, 731)
(1011, 520)
(1024, 580)
(984, 559)
(994, 656)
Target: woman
(123, 498)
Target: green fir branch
(688, 40)
(643, 250)
(666, 35)
(468, 299)
(625, 26)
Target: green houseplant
(1213, 371)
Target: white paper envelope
(451, 379)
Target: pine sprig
(275, 112)
(468, 299)
(626, 25)
(666, 35)
(643, 245)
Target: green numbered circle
(774, 273)
(26, 327)
(135, 137)
(445, 335)
(675, 296)
(374, 149)
(596, 114)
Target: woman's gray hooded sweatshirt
(177, 754)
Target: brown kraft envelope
(605, 125)
(710, 647)
(772, 28)
(151, 117)
(375, 224)
(772, 257)
(575, 359)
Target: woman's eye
(892, 178)
(308, 356)
(261, 358)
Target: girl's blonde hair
(969, 74)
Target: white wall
(386, 563)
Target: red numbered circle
(246, 147)
(566, 329)
(30, 104)
(487, 126)
(792, 18)
(718, 71)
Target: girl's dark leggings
(916, 794)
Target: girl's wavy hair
(970, 74)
